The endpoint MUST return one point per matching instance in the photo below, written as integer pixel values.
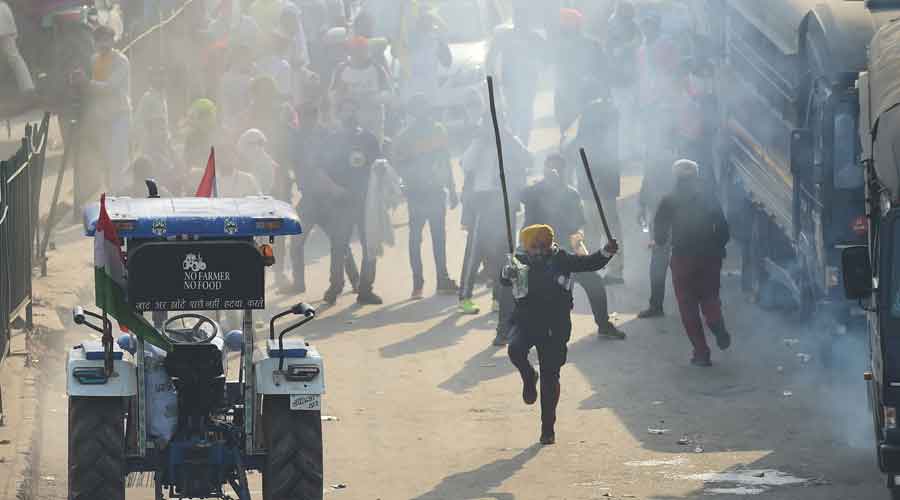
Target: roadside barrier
(20, 192)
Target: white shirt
(238, 185)
(477, 160)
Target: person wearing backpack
(692, 219)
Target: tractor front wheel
(293, 469)
(96, 449)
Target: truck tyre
(293, 469)
(96, 449)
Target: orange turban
(536, 235)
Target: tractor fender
(122, 383)
(272, 381)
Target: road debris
(740, 490)
(803, 357)
(329, 418)
(339, 486)
(788, 394)
(657, 432)
(658, 463)
(791, 342)
(684, 441)
(748, 477)
(698, 449)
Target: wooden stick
(590, 178)
(509, 235)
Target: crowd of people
(330, 106)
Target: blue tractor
(159, 401)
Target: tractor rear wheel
(293, 469)
(96, 449)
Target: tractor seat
(196, 371)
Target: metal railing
(21, 177)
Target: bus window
(847, 172)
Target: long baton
(590, 178)
(509, 235)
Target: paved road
(429, 410)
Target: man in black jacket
(543, 316)
(693, 220)
(553, 202)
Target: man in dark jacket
(543, 316)
(693, 220)
(315, 189)
(346, 159)
(553, 202)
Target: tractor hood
(157, 218)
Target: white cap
(685, 168)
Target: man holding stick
(543, 317)
(551, 201)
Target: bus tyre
(96, 449)
(293, 469)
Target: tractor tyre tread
(293, 469)
(96, 449)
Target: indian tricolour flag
(109, 281)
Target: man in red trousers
(693, 220)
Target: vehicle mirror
(78, 315)
(857, 272)
(801, 151)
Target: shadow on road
(444, 334)
(477, 484)
(473, 371)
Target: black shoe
(501, 340)
(609, 331)
(723, 339)
(529, 390)
(651, 312)
(704, 362)
(614, 280)
(369, 298)
(548, 438)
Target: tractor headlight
(301, 373)
(90, 375)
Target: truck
(871, 271)
(788, 150)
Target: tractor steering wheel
(196, 334)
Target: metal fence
(20, 192)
